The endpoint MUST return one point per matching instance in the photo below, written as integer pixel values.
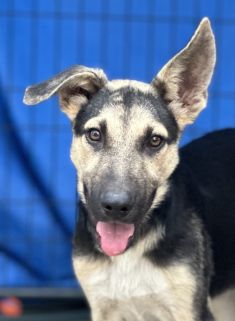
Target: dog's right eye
(93, 135)
(156, 141)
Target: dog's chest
(122, 276)
(126, 277)
(130, 284)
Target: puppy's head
(125, 135)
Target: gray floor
(48, 304)
(62, 316)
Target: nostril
(124, 209)
(108, 208)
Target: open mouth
(114, 237)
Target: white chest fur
(132, 285)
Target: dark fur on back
(212, 162)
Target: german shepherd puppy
(155, 238)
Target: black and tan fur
(181, 257)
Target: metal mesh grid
(126, 38)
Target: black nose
(116, 203)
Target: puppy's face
(124, 149)
(125, 135)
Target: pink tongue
(114, 236)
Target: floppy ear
(75, 86)
(184, 80)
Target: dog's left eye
(156, 141)
(93, 135)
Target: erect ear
(184, 80)
(75, 86)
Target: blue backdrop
(128, 39)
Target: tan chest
(130, 285)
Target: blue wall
(128, 39)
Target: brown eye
(94, 135)
(156, 141)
